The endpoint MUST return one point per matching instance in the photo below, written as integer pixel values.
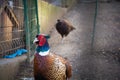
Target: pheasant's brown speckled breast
(51, 67)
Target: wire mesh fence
(11, 27)
(31, 24)
(18, 26)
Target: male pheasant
(49, 66)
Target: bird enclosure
(11, 26)
(18, 25)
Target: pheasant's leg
(63, 39)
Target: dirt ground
(76, 47)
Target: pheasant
(49, 66)
(64, 27)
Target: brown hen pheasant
(64, 27)
(48, 66)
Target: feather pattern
(51, 67)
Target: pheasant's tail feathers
(73, 28)
(69, 24)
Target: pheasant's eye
(37, 36)
(37, 42)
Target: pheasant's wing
(68, 69)
(67, 64)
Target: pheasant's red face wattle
(41, 40)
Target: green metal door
(31, 24)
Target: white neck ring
(44, 53)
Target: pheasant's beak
(35, 40)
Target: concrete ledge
(9, 67)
